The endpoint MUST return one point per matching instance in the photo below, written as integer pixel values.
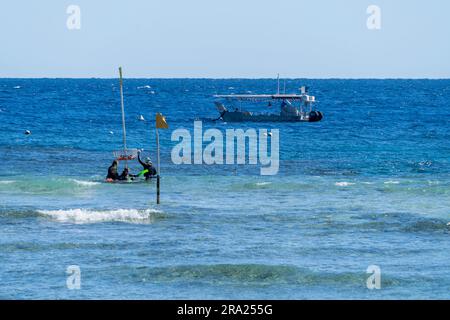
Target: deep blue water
(369, 185)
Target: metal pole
(159, 168)
(157, 189)
(123, 117)
(278, 81)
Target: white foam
(344, 184)
(17, 87)
(263, 183)
(391, 182)
(6, 181)
(85, 183)
(94, 216)
(144, 87)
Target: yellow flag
(161, 122)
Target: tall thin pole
(159, 168)
(123, 117)
(278, 81)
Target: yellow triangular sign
(161, 122)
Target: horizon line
(225, 78)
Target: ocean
(367, 186)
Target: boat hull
(238, 116)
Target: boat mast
(123, 116)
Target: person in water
(125, 176)
(149, 171)
(112, 171)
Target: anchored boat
(293, 107)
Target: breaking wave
(392, 182)
(52, 185)
(7, 181)
(261, 184)
(85, 183)
(344, 184)
(81, 216)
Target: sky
(225, 39)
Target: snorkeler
(126, 176)
(112, 171)
(149, 171)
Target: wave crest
(82, 216)
(344, 184)
(85, 183)
(7, 181)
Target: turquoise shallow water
(367, 186)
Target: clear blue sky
(225, 39)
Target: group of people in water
(148, 171)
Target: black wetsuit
(125, 176)
(112, 173)
(151, 170)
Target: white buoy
(27, 132)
